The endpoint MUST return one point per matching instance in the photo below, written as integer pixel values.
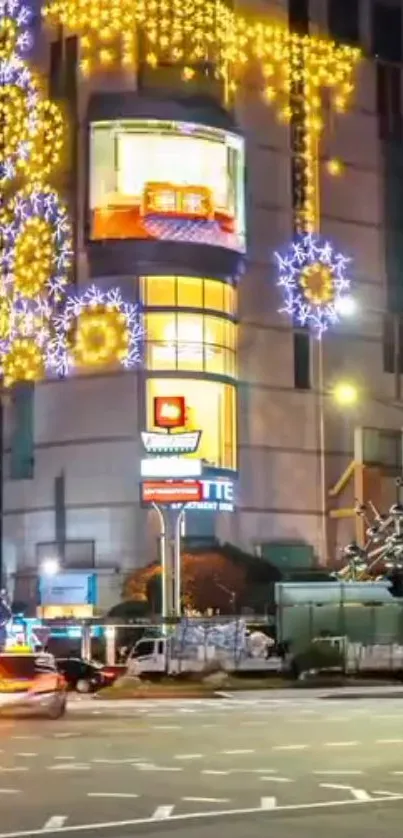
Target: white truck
(194, 647)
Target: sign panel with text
(171, 492)
(211, 495)
(176, 443)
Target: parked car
(85, 676)
(30, 683)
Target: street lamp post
(322, 453)
(345, 394)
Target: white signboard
(170, 467)
(68, 589)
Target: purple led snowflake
(314, 281)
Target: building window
(166, 181)
(393, 343)
(298, 16)
(388, 92)
(302, 364)
(387, 32)
(191, 342)
(188, 292)
(22, 437)
(343, 20)
(210, 408)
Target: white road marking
(167, 727)
(149, 767)
(26, 755)
(358, 794)
(17, 770)
(341, 744)
(162, 812)
(396, 773)
(23, 738)
(278, 779)
(188, 756)
(253, 771)
(289, 747)
(70, 766)
(55, 822)
(389, 741)
(387, 793)
(9, 791)
(212, 771)
(63, 735)
(110, 794)
(206, 799)
(129, 761)
(341, 772)
(65, 758)
(239, 751)
(209, 815)
(268, 803)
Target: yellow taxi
(31, 684)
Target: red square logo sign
(169, 412)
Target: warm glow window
(210, 407)
(188, 292)
(190, 342)
(167, 181)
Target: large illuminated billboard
(173, 181)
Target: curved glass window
(210, 408)
(188, 292)
(190, 342)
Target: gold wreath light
(317, 283)
(101, 338)
(23, 362)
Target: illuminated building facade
(203, 140)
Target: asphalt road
(191, 768)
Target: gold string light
(102, 337)
(48, 143)
(33, 260)
(16, 129)
(23, 362)
(193, 33)
(318, 283)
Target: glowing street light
(50, 567)
(345, 393)
(346, 306)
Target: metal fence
(366, 624)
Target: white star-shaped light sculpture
(314, 281)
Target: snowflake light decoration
(42, 330)
(313, 278)
(37, 253)
(95, 329)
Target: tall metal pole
(178, 563)
(163, 555)
(1, 489)
(322, 452)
